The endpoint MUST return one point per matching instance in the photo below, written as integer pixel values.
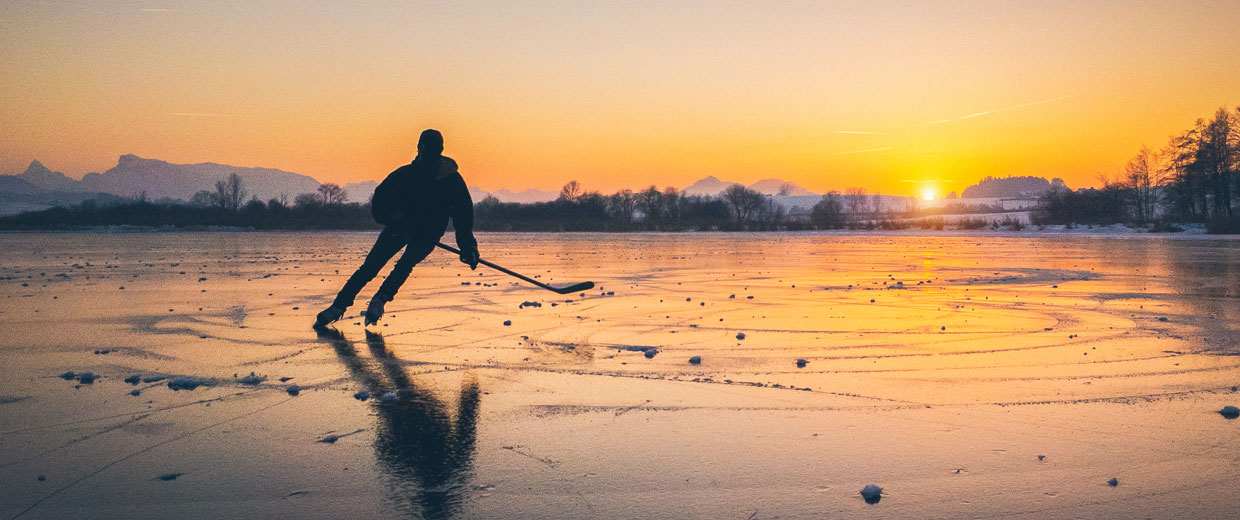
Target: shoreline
(1115, 230)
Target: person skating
(413, 203)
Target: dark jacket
(419, 197)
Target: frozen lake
(968, 376)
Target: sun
(927, 194)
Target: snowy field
(968, 375)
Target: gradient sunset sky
(890, 96)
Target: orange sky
(532, 94)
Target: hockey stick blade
(577, 287)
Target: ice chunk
(293, 390)
(740, 335)
(135, 392)
(1113, 482)
(388, 397)
(252, 379)
(87, 378)
(68, 375)
(1230, 412)
(169, 476)
(133, 380)
(801, 362)
(185, 383)
(871, 493)
(695, 360)
(362, 395)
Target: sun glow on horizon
(927, 194)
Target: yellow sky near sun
(890, 96)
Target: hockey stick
(577, 287)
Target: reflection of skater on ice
(422, 449)
(414, 204)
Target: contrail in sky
(156, 10)
(857, 132)
(1005, 109)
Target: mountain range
(712, 186)
(155, 179)
(38, 187)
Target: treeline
(738, 208)
(226, 206)
(1194, 178)
(253, 214)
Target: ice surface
(953, 384)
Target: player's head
(430, 143)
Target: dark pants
(385, 248)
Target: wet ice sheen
(1034, 368)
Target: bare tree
(332, 193)
(620, 206)
(671, 204)
(650, 202)
(1205, 162)
(230, 192)
(745, 203)
(1141, 177)
(571, 191)
(855, 202)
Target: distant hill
(46, 179)
(1011, 187)
(38, 188)
(18, 186)
(525, 197)
(710, 186)
(134, 175)
(360, 191)
(779, 187)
